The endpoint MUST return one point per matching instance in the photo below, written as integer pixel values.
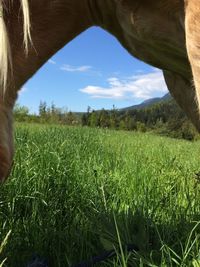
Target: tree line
(46, 114)
(164, 118)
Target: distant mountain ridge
(149, 102)
(145, 104)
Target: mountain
(148, 102)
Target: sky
(92, 70)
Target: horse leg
(184, 94)
(192, 28)
(6, 140)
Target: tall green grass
(76, 192)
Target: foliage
(21, 113)
(2, 246)
(46, 114)
(164, 118)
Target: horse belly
(155, 37)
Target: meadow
(75, 193)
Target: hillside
(148, 102)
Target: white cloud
(51, 61)
(23, 90)
(70, 68)
(139, 86)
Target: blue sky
(92, 70)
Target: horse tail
(27, 23)
(5, 50)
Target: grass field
(75, 193)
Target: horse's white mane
(5, 51)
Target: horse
(162, 33)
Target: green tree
(84, 120)
(21, 113)
(104, 119)
(42, 109)
(93, 120)
(114, 118)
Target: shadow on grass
(133, 238)
(71, 228)
(142, 242)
